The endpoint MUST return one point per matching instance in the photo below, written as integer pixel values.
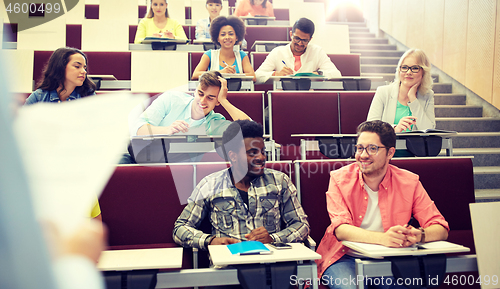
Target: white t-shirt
(372, 220)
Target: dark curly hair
(221, 21)
(54, 72)
(263, 3)
(232, 138)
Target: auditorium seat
(349, 102)
(301, 112)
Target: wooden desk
(123, 260)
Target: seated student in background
(158, 24)
(407, 103)
(226, 32)
(203, 25)
(298, 56)
(174, 111)
(64, 78)
(254, 7)
(244, 202)
(371, 201)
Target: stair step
(487, 177)
(350, 24)
(485, 194)
(483, 157)
(378, 68)
(458, 111)
(364, 52)
(442, 88)
(361, 34)
(468, 124)
(476, 139)
(449, 99)
(373, 46)
(379, 60)
(369, 40)
(359, 29)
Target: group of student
(368, 201)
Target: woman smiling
(226, 32)
(408, 102)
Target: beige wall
(461, 37)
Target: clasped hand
(401, 236)
(260, 234)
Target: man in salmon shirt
(371, 201)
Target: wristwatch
(422, 235)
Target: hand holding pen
(284, 71)
(228, 68)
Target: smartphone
(280, 245)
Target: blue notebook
(248, 248)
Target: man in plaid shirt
(244, 202)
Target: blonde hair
(151, 13)
(423, 62)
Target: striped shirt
(272, 200)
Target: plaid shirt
(272, 198)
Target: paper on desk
(374, 250)
(440, 245)
(70, 151)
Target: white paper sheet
(70, 150)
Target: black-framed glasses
(371, 149)
(298, 39)
(414, 68)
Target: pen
(284, 63)
(224, 63)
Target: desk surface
(121, 260)
(398, 135)
(222, 256)
(321, 78)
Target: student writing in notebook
(244, 202)
(297, 56)
(371, 201)
(226, 32)
(158, 24)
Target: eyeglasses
(370, 149)
(298, 39)
(414, 69)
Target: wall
(461, 37)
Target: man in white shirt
(297, 56)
